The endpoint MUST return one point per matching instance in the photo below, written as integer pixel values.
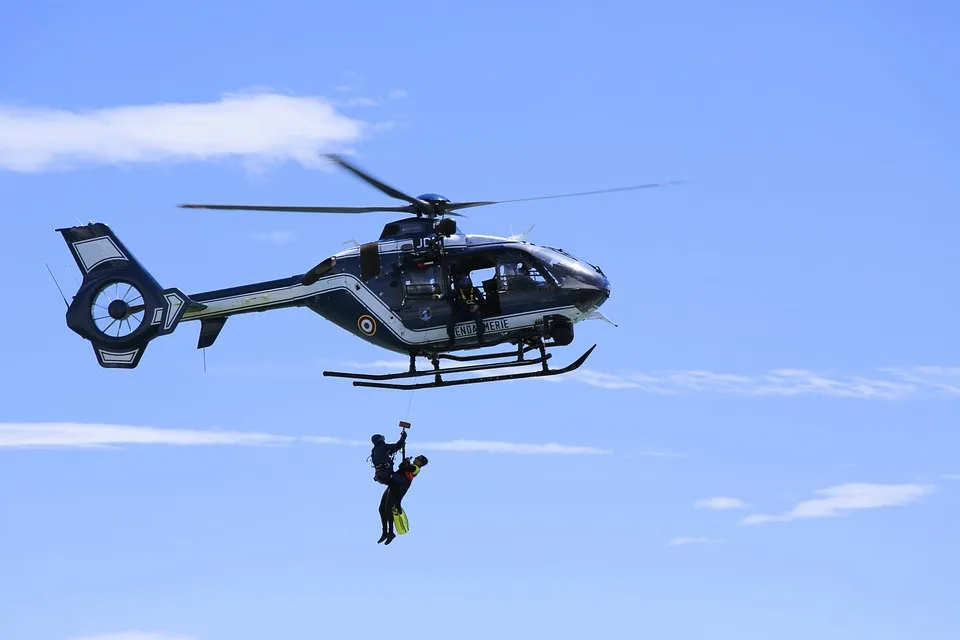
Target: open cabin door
(423, 295)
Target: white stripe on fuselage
(453, 244)
(262, 300)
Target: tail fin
(119, 307)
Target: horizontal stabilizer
(209, 330)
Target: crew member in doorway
(465, 304)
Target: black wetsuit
(381, 456)
(393, 495)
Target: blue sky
(764, 447)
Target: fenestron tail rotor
(117, 310)
(428, 204)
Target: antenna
(520, 236)
(67, 304)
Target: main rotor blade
(483, 203)
(243, 207)
(422, 206)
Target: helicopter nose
(594, 295)
(603, 284)
(590, 298)
(605, 290)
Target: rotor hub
(433, 197)
(118, 309)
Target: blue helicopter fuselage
(391, 294)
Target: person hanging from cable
(391, 506)
(381, 456)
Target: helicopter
(411, 291)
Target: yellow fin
(400, 523)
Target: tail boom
(120, 307)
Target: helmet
(376, 438)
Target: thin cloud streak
(70, 434)
(780, 382)
(86, 436)
(487, 446)
(684, 541)
(658, 453)
(943, 379)
(135, 635)
(905, 381)
(277, 237)
(720, 503)
(841, 499)
(261, 128)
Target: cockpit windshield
(566, 269)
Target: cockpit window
(562, 266)
(517, 274)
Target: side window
(422, 282)
(518, 274)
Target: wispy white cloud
(650, 452)
(691, 540)
(257, 127)
(70, 434)
(720, 503)
(277, 237)
(365, 101)
(903, 383)
(944, 379)
(489, 446)
(135, 635)
(390, 365)
(887, 384)
(841, 499)
(361, 102)
(79, 435)
(780, 382)
(346, 442)
(480, 446)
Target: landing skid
(374, 379)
